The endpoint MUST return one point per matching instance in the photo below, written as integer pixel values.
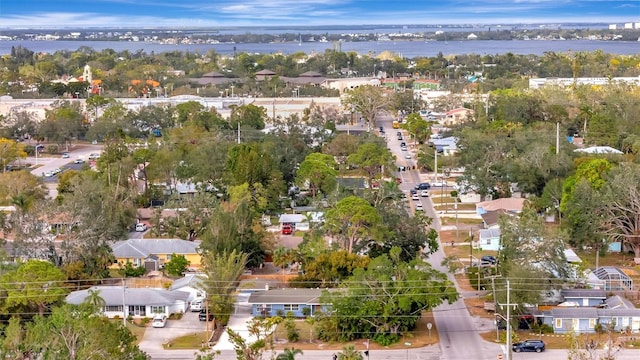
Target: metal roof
(142, 248)
(117, 295)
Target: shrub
(306, 311)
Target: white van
(197, 304)
(141, 227)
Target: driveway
(154, 337)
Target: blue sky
(190, 13)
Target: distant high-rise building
(628, 25)
(613, 26)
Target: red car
(287, 230)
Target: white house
(121, 301)
(489, 239)
(192, 284)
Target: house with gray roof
(192, 284)
(154, 253)
(272, 302)
(584, 297)
(615, 310)
(122, 301)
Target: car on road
(203, 315)
(424, 193)
(419, 207)
(408, 156)
(439, 183)
(159, 321)
(529, 345)
(94, 156)
(403, 148)
(415, 197)
(48, 174)
(78, 161)
(423, 186)
(413, 191)
(65, 155)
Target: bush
(292, 331)
(544, 328)
(306, 311)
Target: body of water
(408, 49)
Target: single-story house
(490, 219)
(513, 205)
(270, 302)
(296, 221)
(615, 310)
(211, 78)
(457, 116)
(489, 239)
(584, 297)
(153, 253)
(572, 319)
(446, 146)
(192, 284)
(137, 302)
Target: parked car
(159, 321)
(79, 161)
(141, 227)
(203, 315)
(489, 259)
(415, 197)
(196, 304)
(94, 156)
(403, 148)
(408, 156)
(65, 155)
(413, 191)
(424, 193)
(529, 345)
(287, 229)
(419, 207)
(423, 186)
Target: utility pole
(495, 303)
(238, 132)
(124, 304)
(508, 319)
(557, 138)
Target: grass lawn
(136, 330)
(418, 338)
(556, 341)
(191, 341)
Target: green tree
(94, 299)
(260, 338)
(319, 171)
(368, 100)
(177, 265)
(387, 298)
(34, 285)
(289, 354)
(223, 271)
(329, 268)
(74, 332)
(373, 158)
(349, 352)
(10, 150)
(248, 115)
(353, 220)
(525, 242)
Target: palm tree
(349, 352)
(289, 354)
(95, 300)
